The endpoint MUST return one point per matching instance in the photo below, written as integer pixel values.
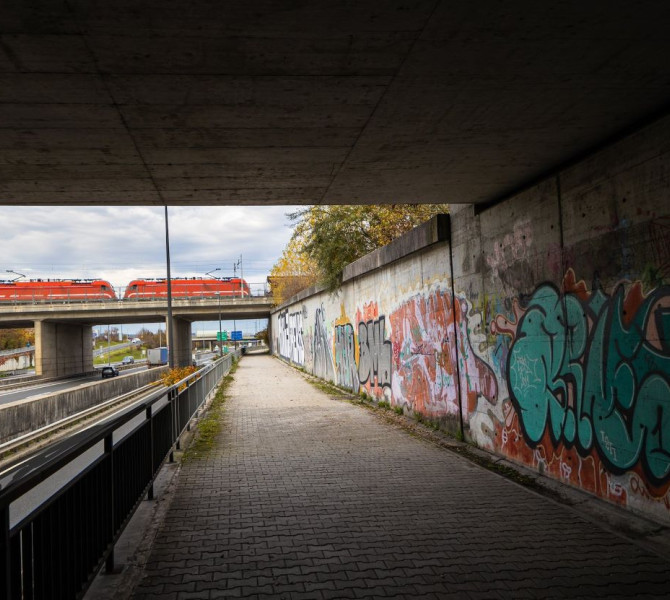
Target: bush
(177, 374)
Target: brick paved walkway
(307, 497)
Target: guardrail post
(177, 429)
(147, 414)
(4, 552)
(174, 422)
(187, 391)
(109, 447)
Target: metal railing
(62, 511)
(23, 350)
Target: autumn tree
(151, 339)
(262, 335)
(293, 272)
(11, 339)
(334, 236)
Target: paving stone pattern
(309, 497)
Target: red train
(36, 290)
(195, 287)
(82, 290)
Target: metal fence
(62, 511)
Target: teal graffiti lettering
(593, 379)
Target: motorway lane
(53, 386)
(32, 499)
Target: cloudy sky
(123, 242)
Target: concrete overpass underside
(284, 102)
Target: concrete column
(182, 342)
(63, 349)
(270, 340)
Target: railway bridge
(63, 331)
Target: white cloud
(121, 243)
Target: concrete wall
(23, 416)
(14, 360)
(549, 345)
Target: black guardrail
(55, 549)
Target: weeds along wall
(539, 327)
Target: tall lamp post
(170, 328)
(235, 265)
(219, 297)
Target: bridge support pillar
(181, 329)
(63, 349)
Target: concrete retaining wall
(539, 327)
(23, 416)
(17, 360)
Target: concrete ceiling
(305, 102)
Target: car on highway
(109, 372)
(128, 360)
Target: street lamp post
(169, 324)
(220, 333)
(235, 265)
(218, 293)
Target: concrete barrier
(23, 416)
(16, 360)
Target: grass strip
(209, 426)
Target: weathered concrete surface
(181, 331)
(62, 348)
(21, 358)
(276, 102)
(307, 497)
(23, 416)
(429, 233)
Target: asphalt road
(52, 387)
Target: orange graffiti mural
(426, 332)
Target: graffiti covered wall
(539, 327)
(290, 343)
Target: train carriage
(68, 290)
(195, 287)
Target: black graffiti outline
(370, 356)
